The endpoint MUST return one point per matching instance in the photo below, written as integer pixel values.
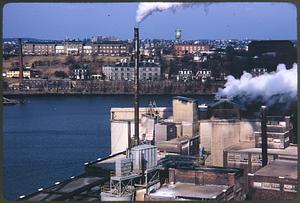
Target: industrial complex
(191, 151)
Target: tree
(60, 74)
(70, 60)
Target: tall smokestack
(264, 137)
(20, 62)
(136, 84)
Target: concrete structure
(165, 131)
(184, 49)
(122, 125)
(128, 113)
(218, 134)
(125, 71)
(185, 109)
(276, 181)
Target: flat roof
(189, 190)
(280, 168)
(66, 189)
(186, 99)
(249, 147)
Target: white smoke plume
(279, 86)
(146, 9)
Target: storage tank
(146, 152)
(178, 34)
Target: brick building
(184, 49)
(106, 48)
(201, 183)
(276, 181)
(111, 48)
(247, 157)
(40, 48)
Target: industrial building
(200, 183)
(276, 181)
(167, 154)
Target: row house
(39, 48)
(186, 49)
(112, 48)
(125, 71)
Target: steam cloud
(146, 9)
(279, 86)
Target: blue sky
(81, 20)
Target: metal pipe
(136, 85)
(20, 62)
(264, 136)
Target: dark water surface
(49, 138)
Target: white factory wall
(216, 135)
(128, 113)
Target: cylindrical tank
(178, 34)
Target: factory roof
(186, 99)
(189, 191)
(249, 147)
(224, 104)
(65, 190)
(280, 168)
(143, 146)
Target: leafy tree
(60, 74)
(70, 60)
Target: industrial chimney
(264, 137)
(136, 84)
(20, 62)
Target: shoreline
(97, 94)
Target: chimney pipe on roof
(136, 84)
(264, 136)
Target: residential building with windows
(203, 75)
(185, 75)
(15, 73)
(125, 71)
(41, 48)
(185, 49)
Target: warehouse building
(276, 181)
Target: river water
(49, 138)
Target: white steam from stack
(146, 9)
(279, 86)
